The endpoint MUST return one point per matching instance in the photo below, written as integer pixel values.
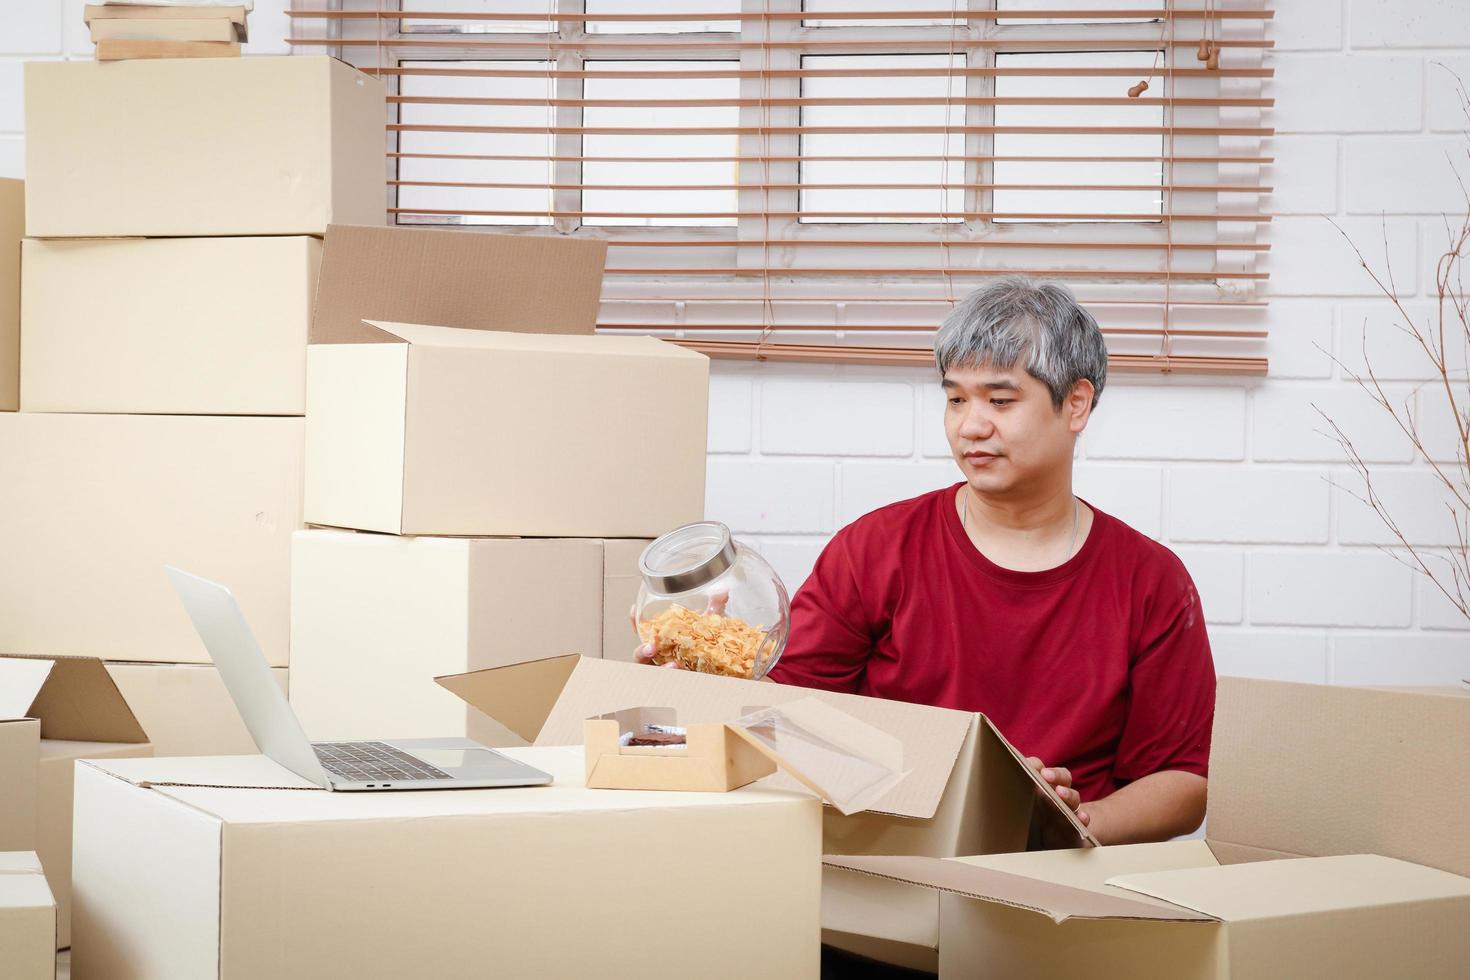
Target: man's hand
(1060, 779)
(644, 653)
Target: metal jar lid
(687, 558)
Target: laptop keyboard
(370, 762)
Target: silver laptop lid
(247, 675)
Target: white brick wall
(1233, 476)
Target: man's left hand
(1060, 779)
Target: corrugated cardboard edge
(79, 702)
(1057, 902)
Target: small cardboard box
(201, 147)
(174, 326)
(185, 708)
(27, 919)
(12, 228)
(93, 506)
(439, 430)
(1171, 911)
(82, 715)
(966, 789)
(375, 617)
(176, 880)
(843, 761)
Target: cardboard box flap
(76, 699)
(521, 697)
(1303, 886)
(1356, 744)
(522, 283)
(1056, 901)
(204, 771)
(847, 763)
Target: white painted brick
(792, 558)
(1402, 659)
(1373, 333)
(1270, 655)
(1304, 175)
(1395, 175)
(1321, 588)
(1219, 578)
(837, 419)
(1167, 422)
(1299, 339)
(1133, 494)
(12, 156)
(770, 496)
(1287, 427)
(1334, 94)
(731, 402)
(1309, 256)
(1408, 24)
(867, 486)
(1307, 26)
(1415, 500)
(1248, 504)
(32, 27)
(1435, 610)
(1444, 111)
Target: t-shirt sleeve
(831, 637)
(1172, 686)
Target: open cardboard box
(966, 789)
(450, 375)
(842, 760)
(80, 715)
(1296, 771)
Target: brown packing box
(435, 408)
(966, 791)
(1171, 911)
(202, 146)
(12, 228)
(375, 617)
(177, 878)
(27, 919)
(185, 708)
(174, 326)
(82, 716)
(1295, 770)
(1314, 769)
(93, 506)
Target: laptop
(382, 764)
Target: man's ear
(1078, 406)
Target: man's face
(1004, 431)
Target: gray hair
(1038, 324)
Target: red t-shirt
(1100, 664)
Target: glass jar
(711, 603)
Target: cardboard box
(1171, 911)
(175, 326)
(93, 506)
(197, 147)
(967, 790)
(27, 918)
(12, 228)
(551, 881)
(185, 708)
(375, 618)
(82, 715)
(1366, 751)
(437, 430)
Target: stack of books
(164, 29)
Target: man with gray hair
(1080, 637)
